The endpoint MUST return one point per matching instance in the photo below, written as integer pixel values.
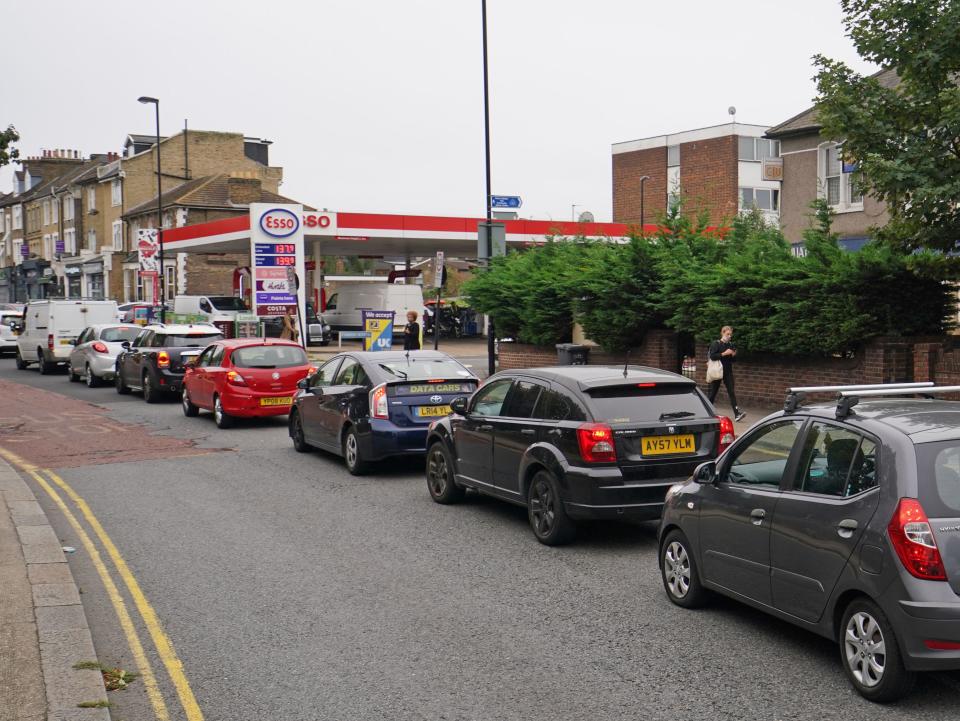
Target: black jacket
(716, 353)
(411, 336)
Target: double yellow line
(44, 478)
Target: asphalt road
(292, 590)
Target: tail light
(99, 347)
(378, 402)
(727, 434)
(596, 443)
(163, 359)
(912, 539)
(50, 341)
(236, 379)
(310, 371)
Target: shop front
(7, 292)
(93, 280)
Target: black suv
(575, 442)
(843, 519)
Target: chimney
(243, 191)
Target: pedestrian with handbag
(721, 355)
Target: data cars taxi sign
(279, 222)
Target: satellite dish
(732, 110)
(585, 217)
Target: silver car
(94, 357)
(9, 321)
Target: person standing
(411, 332)
(290, 331)
(725, 351)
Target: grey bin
(572, 354)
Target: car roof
(247, 342)
(184, 328)
(586, 377)
(395, 355)
(923, 420)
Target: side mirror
(459, 405)
(302, 384)
(706, 473)
(73, 341)
(125, 345)
(191, 362)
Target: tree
(906, 139)
(8, 154)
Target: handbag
(714, 371)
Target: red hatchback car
(244, 377)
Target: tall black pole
(491, 344)
(643, 230)
(163, 270)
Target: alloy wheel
(218, 411)
(351, 450)
(90, 378)
(676, 569)
(865, 649)
(437, 472)
(542, 507)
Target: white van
(344, 307)
(9, 324)
(51, 326)
(216, 308)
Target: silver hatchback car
(94, 356)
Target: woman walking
(725, 351)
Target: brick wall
(708, 177)
(659, 350)
(628, 168)
(212, 273)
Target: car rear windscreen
(228, 302)
(635, 404)
(192, 340)
(422, 370)
(939, 478)
(8, 319)
(118, 335)
(267, 356)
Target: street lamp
(146, 100)
(643, 180)
(491, 332)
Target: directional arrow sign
(505, 201)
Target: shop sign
(148, 250)
(771, 169)
(378, 324)
(277, 262)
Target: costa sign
(279, 222)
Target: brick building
(720, 170)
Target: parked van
(344, 307)
(50, 328)
(216, 308)
(9, 327)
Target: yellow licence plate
(65, 341)
(662, 445)
(285, 401)
(424, 411)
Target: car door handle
(846, 527)
(485, 427)
(554, 432)
(757, 515)
(527, 431)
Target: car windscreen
(417, 369)
(192, 340)
(939, 478)
(228, 302)
(639, 403)
(269, 356)
(119, 335)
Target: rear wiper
(261, 367)
(678, 414)
(395, 372)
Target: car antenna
(626, 362)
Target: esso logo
(279, 222)
(316, 221)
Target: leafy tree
(906, 139)
(8, 137)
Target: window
(47, 250)
(118, 235)
(281, 356)
(762, 459)
(841, 181)
(836, 462)
(70, 241)
(324, 376)
(55, 211)
(489, 400)
(939, 479)
(46, 212)
(68, 207)
(143, 340)
(632, 404)
(17, 217)
(673, 156)
(2, 221)
(756, 149)
(171, 282)
(87, 335)
(55, 244)
(762, 198)
(523, 399)
(119, 335)
(116, 192)
(203, 361)
(91, 198)
(332, 302)
(351, 374)
(91, 239)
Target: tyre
(74, 378)
(91, 379)
(440, 482)
(189, 410)
(121, 386)
(219, 416)
(870, 653)
(150, 392)
(21, 363)
(548, 518)
(678, 570)
(300, 444)
(45, 367)
(352, 454)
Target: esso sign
(279, 222)
(317, 220)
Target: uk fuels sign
(378, 325)
(276, 249)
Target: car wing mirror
(73, 341)
(302, 384)
(125, 345)
(459, 405)
(706, 473)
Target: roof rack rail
(848, 399)
(797, 394)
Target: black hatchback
(575, 443)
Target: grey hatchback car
(842, 518)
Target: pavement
(43, 628)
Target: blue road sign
(505, 201)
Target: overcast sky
(376, 105)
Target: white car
(9, 319)
(94, 356)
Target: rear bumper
(102, 366)
(918, 622)
(603, 493)
(8, 345)
(169, 381)
(382, 439)
(246, 404)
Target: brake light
(163, 359)
(311, 370)
(378, 402)
(99, 347)
(727, 434)
(596, 443)
(913, 540)
(50, 341)
(235, 378)
(646, 385)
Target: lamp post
(163, 271)
(491, 343)
(643, 180)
